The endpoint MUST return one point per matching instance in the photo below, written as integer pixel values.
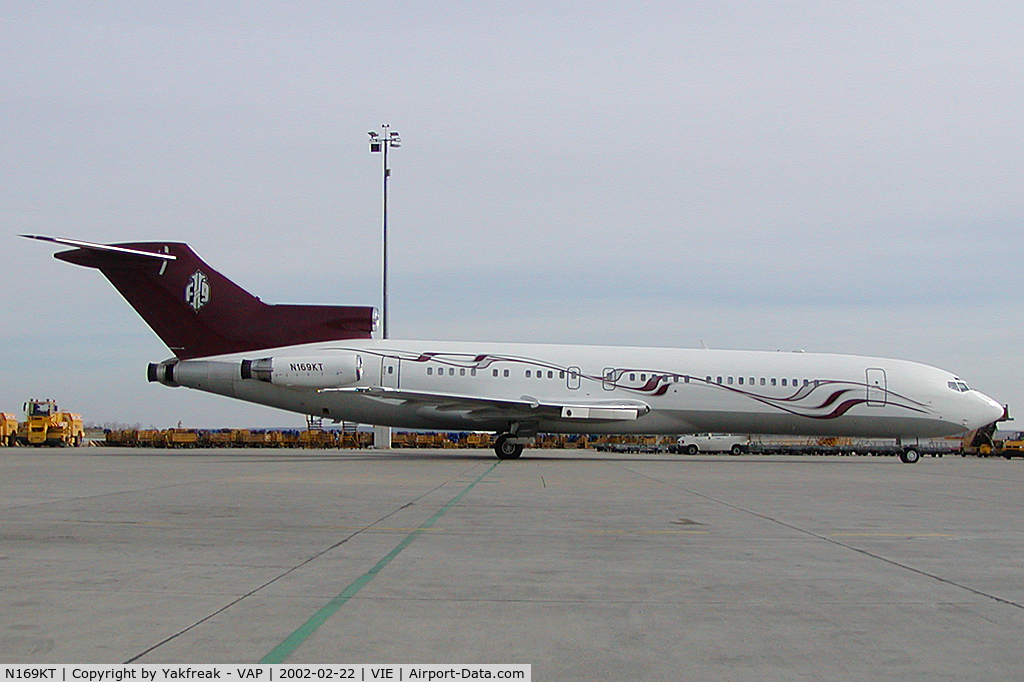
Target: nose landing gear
(910, 455)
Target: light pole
(379, 143)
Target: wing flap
(525, 408)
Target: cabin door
(389, 376)
(877, 393)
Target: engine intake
(305, 372)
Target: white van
(693, 443)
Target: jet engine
(306, 372)
(163, 373)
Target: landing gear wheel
(506, 449)
(910, 456)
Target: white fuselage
(488, 386)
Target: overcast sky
(747, 175)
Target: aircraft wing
(527, 408)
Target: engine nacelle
(322, 371)
(163, 373)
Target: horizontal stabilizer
(100, 247)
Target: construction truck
(8, 429)
(45, 424)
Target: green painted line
(294, 640)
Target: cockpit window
(958, 386)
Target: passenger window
(451, 371)
(632, 377)
(462, 372)
(551, 375)
(783, 382)
(729, 380)
(561, 375)
(773, 381)
(430, 371)
(494, 372)
(762, 381)
(505, 372)
(472, 372)
(527, 374)
(741, 381)
(719, 380)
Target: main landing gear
(510, 444)
(505, 448)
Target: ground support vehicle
(693, 443)
(179, 438)
(988, 442)
(46, 424)
(8, 429)
(1012, 446)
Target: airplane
(323, 361)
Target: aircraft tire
(910, 456)
(506, 450)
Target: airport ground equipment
(8, 429)
(46, 424)
(1013, 446)
(693, 443)
(988, 442)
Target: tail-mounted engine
(163, 372)
(306, 372)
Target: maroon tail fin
(198, 312)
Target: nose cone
(988, 410)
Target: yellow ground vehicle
(8, 429)
(45, 424)
(1011, 446)
(987, 442)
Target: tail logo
(197, 291)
